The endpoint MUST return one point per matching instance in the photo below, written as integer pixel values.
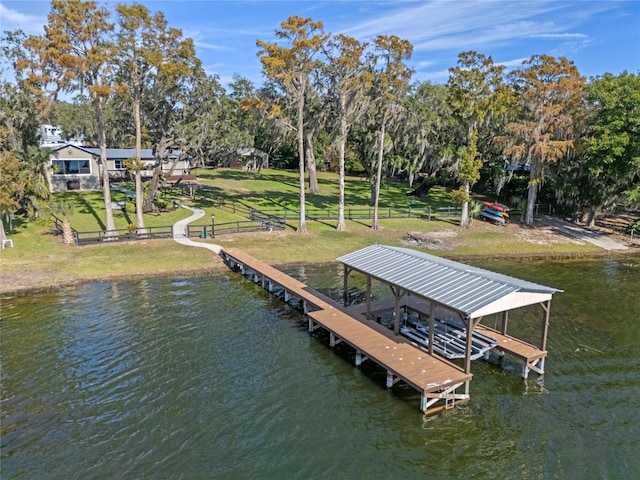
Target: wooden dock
(437, 380)
(531, 356)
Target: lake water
(212, 378)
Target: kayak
(497, 213)
(493, 218)
(496, 207)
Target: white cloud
(14, 20)
(212, 46)
(464, 25)
(560, 36)
(516, 62)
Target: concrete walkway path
(180, 226)
(570, 229)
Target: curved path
(179, 228)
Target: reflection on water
(212, 378)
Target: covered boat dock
(452, 299)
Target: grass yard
(39, 259)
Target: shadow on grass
(17, 225)
(88, 208)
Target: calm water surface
(212, 378)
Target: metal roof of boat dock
(471, 291)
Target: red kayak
(494, 206)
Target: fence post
(429, 213)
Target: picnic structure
(423, 286)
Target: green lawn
(39, 259)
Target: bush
(633, 228)
(161, 203)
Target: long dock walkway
(436, 379)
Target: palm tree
(64, 209)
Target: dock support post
(345, 285)
(368, 317)
(391, 379)
(360, 358)
(312, 325)
(334, 339)
(545, 324)
(505, 321)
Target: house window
(118, 164)
(71, 167)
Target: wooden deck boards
(397, 354)
(513, 346)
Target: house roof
(472, 292)
(115, 153)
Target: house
(73, 167)
(50, 136)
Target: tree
(476, 88)
(605, 170)
(612, 157)
(290, 67)
(150, 57)
(346, 80)
(9, 185)
(390, 83)
(75, 53)
(64, 209)
(20, 114)
(550, 94)
(422, 135)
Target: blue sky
(599, 36)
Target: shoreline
(13, 289)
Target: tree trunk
(311, 163)
(375, 225)
(154, 186)
(532, 195)
(106, 186)
(341, 227)
(139, 191)
(67, 232)
(302, 223)
(3, 235)
(464, 216)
